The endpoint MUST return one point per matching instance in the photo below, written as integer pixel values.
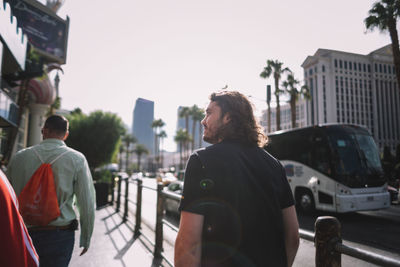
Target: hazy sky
(176, 52)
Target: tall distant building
(353, 88)
(181, 124)
(143, 116)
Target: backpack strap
(51, 163)
(62, 205)
(54, 160)
(59, 156)
(37, 154)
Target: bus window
(299, 146)
(296, 146)
(321, 161)
(368, 147)
(347, 161)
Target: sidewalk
(113, 245)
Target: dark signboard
(47, 32)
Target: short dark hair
(242, 125)
(57, 124)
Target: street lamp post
(269, 107)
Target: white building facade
(286, 118)
(354, 88)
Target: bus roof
(323, 125)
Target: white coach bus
(332, 167)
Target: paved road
(375, 229)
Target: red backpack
(38, 202)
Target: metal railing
(327, 237)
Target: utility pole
(269, 107)
(56, 83)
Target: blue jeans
(54, 247)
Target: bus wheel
(305, 201)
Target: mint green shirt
(71, 177)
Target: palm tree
(181, 137)
(197, 115)
(291, 88)
(139, 151)
(161, 137)
(384, 15)
(184, 112)
(275, 69)
(157, 125)
(128, 140)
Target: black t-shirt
(241, 191)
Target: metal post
(119, 193)
(159, 227)
(138, 207)
(112, 189)
(327, 235)
(125, 216)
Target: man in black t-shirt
(237, 208)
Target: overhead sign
(14, 40)
(47, 32)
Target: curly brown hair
(242, 125)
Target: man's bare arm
(291, 228)
(188, 240)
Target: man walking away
(237, 208)
(54, 242)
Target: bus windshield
(356, 158)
